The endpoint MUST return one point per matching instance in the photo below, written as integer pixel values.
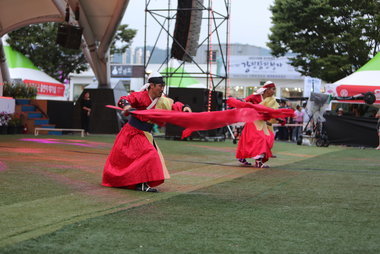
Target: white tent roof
(30, 74)
(98, 18)
(368, 78)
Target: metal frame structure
(99, 20)
(164, 18)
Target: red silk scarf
(198, 121)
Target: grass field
(311, 200)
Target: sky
(249, 23)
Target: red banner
(352, 90)
(47, 88)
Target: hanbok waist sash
(138, 124)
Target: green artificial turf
(312, 200)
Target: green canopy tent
(21, 68)
(178, 77)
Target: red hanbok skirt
(134, 159)
(254, 142)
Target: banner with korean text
(262, 67)
(46, 88)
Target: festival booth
(21, 68)
(357, 125)
(52, 96)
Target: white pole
(4, 71)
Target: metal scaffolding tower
(216, 21)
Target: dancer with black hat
(135, 161)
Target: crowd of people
(297, 124)
(356, 110)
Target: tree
(124, 37)
(38, 43)
(330, 39)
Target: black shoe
(145, 187)
(259, 164)
(244, 162)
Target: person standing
(340, 112)
(282, 133)
(135, 161)
(298, 119)
(257, 137)
(86, 105)
(306, 118)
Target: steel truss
(215, 21)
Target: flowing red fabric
(200, 120)
(265, 112)
(244, 112)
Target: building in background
(249, 68)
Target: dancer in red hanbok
(135, 161)
(257, 137)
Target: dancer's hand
(187, 109)
(126, 110)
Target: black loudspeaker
(60, 113)
(198, 100)
(69, 36)
(187, 29)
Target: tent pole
(4, 71)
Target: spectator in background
(340, 112)
(86, 105)
(298, 119)
(355, 110)
(306, 118)
(282, 133)
(290, 120)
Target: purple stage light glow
(3, 166)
